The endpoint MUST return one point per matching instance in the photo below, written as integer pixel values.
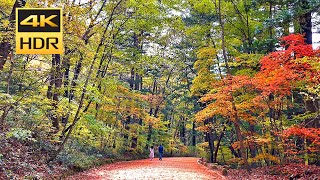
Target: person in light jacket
(151, 153)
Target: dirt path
(169, 168)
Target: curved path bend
(185, 168)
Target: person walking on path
(151, 153)
(160, 152)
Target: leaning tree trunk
(219, 141)
(84, 89)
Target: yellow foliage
(5, 23)
(203, 6)
(202, 83)
(207, 53)
(262, 141)
(152, 120)
(203, 145)
(203, 128)
(6, 5)
(264, 156)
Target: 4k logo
(39, 31)
(43, 21)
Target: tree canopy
(232, 81)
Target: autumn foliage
(205, 78)
(282, 70)
(262, 99)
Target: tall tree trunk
(210, 139)
(137, 82)
(140, 82)
(6, 109)
(219, 141)
(211, 144)
(305, 23)
(151, 112)
(50, 90)
(237, 120)
(271, 44)
(183, 130)
(233, 151)
(126, 127)
(57, 85)
(77, 71)
(239, 136)
(131, 81)
(4, 52)
(10, 76)
(286, 23)
(55, 82)
(66, 80)
(66, 68)
(5, 46)
(193, 142)
(252, 148)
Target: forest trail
(169, 168)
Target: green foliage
(81, 156)
(202, 83)
(5, 99)
(247, 61)
(203, 6)
(303, 117)
(20, 134)
(1, 159)
(246, 72)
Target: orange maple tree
(266, 94)
(282, 70)
(281, 73)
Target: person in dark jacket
(160, 149)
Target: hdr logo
(39, 31)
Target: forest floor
(277, 172)
(169, 168)
(24, 160)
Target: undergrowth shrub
(20, 134)
(79, 156)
